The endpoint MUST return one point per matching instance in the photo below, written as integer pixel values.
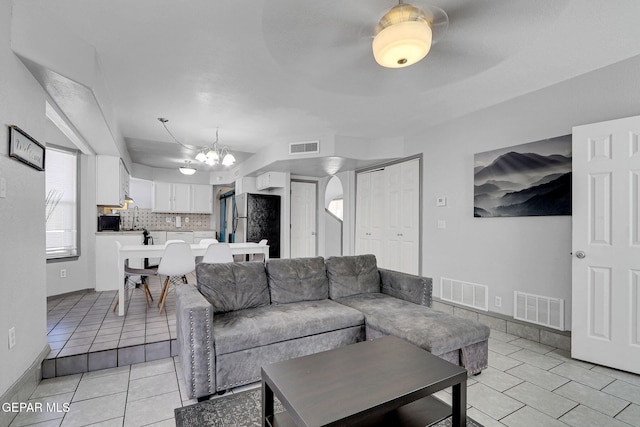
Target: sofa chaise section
(399, 304)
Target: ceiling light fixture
(187, 169)
(212, 155)
(403, 37)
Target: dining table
(156, 251)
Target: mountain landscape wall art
(532, 179)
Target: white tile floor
(526, 384)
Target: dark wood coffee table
(381, 382)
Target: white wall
(22, 226)
(530, 254)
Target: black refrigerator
(257, 217)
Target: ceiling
(279, 71)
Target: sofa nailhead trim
(193, 356)
(209, 344)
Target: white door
(363, 213)
(403, 207)
(370, 214)
(303, 219)
(606, 244)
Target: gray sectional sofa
(242, 316)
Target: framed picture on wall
(24, 148)
(532, 179)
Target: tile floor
(86, 335)
(526, 384)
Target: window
(61, 202)
(335, 207)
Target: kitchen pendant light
(403, 37)
(187, 169)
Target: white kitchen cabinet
(199, 235)
(170, 197)
(271, 180)
(112, 181)
(185, 236)
(182, 198)
(201, 198)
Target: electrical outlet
(442, 223)
(168, 220)
(63, 273)
(186, 220)
(12, 337)
(498, 302)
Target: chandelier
(211, 155)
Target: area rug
(241, 410)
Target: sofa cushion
(352, 275)
(255, 327)
(297, 279)
(425, 327)
(233, 286)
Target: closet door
(402, 232)
(370, 214)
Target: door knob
(580, 254)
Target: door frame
(420, 201)
(306, 181)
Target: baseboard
(23, 388)
(509, 325)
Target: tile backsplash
(158, 221)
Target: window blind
(61, 203)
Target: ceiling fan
(405, 33)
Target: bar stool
(176, 263)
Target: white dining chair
(205, 242)
(260, 257)
(177, 261)
(173, 241)
(130, 272)
(218, 253)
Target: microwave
(109, 223)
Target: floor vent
(304, 147)
(465, 293)
(539, 309)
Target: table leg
(121, 288)
(267, 403)
(459, 408)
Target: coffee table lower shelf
(421, 413)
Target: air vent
(539, 309)
(304, 147)
(465, 293)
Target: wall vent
(465, 293)
(539, 309)
(304, 147)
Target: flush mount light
(187, 169)
(403, 37)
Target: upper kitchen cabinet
(112, 181)
(182, 198)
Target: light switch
(441, 201)
(442, 223)
(3, 187)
